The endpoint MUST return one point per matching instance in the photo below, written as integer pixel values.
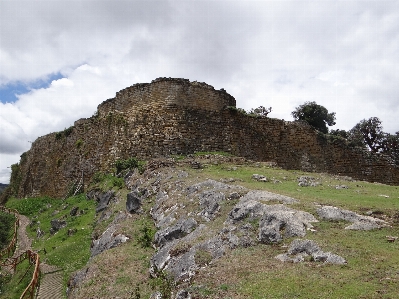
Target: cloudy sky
(59, 59)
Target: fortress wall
(169, 92)
(153, 130)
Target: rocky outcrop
(109, 239)
(102, 198)
(359, 222)
(56, 225)
(300, 250)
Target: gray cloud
(341, 54)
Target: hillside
(219, 226)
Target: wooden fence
(33, 257)
(30, 290)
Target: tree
(260, 111)
(315, 115)
(392, 146)
(369, 133)
(339, 132)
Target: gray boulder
(209, 201)
(183, 267)
(360, 222)
(177, 231)
(107, 241)
(300, 249)
(56, 225)
(133, 202)
(246, 209)
(259, 178)
(307, 181)
(274, 225)
(103, 200)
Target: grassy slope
(373, 263)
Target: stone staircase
(50, 283)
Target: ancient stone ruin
(175, 116)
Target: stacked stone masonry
(176, 116)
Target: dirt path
(24, 242)
(51, 282)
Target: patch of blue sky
(9, 92)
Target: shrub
(147, 235)
(6, 228)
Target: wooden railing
(9, 250)
(30, 290)
(33, 257)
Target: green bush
(107, 181)
(147, 235)
(79, 143)
(131, 163)
(126, 164)
(6, 228)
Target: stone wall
(175, 116)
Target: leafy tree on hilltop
(260, 111)
(369, 133)
(315, 115)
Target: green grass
(360, 195)
(7, 222)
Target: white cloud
(341, 54)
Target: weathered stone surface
(101, 198)
(209, 201)
(76, 279)
(156, 295)
(133, 202)
(306, 181)
(39, 233)
(259, 178)
(261, 195)
(246, 209)
(299, 250)
(177, 231)
(183, 267)
(360, 222)
(276, 224)
(107, 241)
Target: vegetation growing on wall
(65, 133)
